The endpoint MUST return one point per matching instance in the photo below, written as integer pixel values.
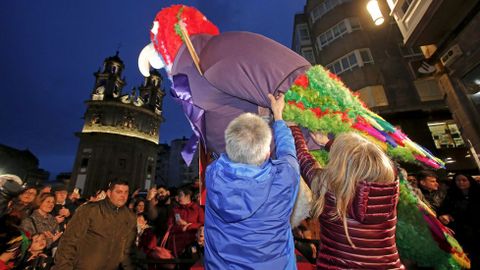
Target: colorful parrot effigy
(218, 76)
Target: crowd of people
(455, 202)
(104, 231)
(250, 198)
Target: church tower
(120, 134)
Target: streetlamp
(375, 12)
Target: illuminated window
(446, 134)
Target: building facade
(120, 135)
(161, 170)
(392, 78)
(447, 31)
(178, 172)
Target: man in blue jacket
(250, 197)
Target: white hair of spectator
(5, 177)
(248, 139)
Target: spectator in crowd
(195, 251)
(146, 241)
(23, 205)
(11, 249)
(75, 198)
(45, 188)
(36, 259)
(41, 220)
(100, 235)
(428, 184)
(306, 248)
(412, 183)
(355, 199)
(139, 206)
(412, 179)
(250, 197)
(459, 211)
(63, 207)
(159, 208)
(185, 219)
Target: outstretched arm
(284, 144)
(308, 164)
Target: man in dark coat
(100, 234)
(433, 194)
(159, 208)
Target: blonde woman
(355, 198)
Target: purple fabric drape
(181, 93)
(240, 69)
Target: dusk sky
(49, 51)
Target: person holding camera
(158, 209)
(185, 219)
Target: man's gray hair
(248, 139)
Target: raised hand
(277, 104)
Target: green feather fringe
(333, 98)
(321, 156)
(414, 239)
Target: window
(340, 29)
(303, 36)
(325, 7)
(356, 58)
(410, 51)
(352, 59)
(307, 53)
(406, 5)
(116, 91)
(366, 56)
(84, 163)
(446, 134)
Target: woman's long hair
(352, 159)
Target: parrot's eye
(154, 29)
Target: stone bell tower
(120, 134)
